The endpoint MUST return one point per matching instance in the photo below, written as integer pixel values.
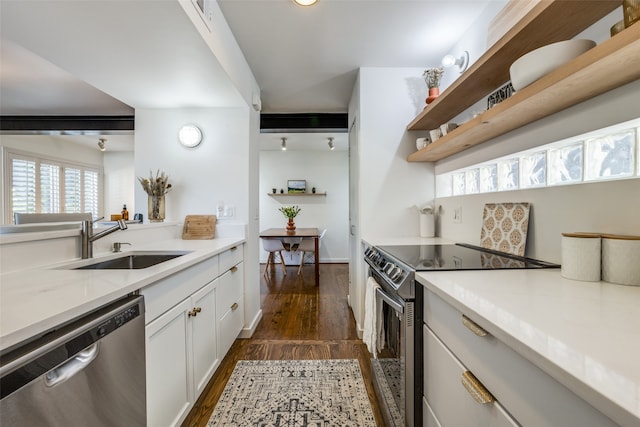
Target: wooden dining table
(298, 232)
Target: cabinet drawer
(532, 396)
(229, 258)
(428, 417)
(166, 293)
(229, 327)
(451, 403)
(230, 290)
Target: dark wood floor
(300, 321)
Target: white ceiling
(304, 59)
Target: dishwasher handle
(71, 367)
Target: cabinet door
(204, 336)
(230, 307)
(450, 402)
(169, 391)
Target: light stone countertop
(586, 335)
(35, 300)
(409, 240)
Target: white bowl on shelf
(539, 62)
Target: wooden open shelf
(548, 22)
(607, 66)
(296, 194)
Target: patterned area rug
(300, 393)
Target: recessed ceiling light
(305, 2)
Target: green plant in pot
(290, 212)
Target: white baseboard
(247, 331)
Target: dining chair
(307, 245)
(273, 245)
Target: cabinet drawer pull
(195, 311)
(233, 248)
(234, 269)
(475, 388)
(473, 326)
(234, 306)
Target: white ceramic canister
(427, 225)
(581, 255)
(621, 259)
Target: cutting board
(504, 227)
(199, 227)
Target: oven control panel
(386, 266)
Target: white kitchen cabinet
(229, 258)
(428, 417)
(192, 317)
(530, 395)
(204, 337)
(445, 394)
(230, 306)
(181, 357)
(169, 394)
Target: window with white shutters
(38, 185)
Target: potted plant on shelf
(432, 77)
(290, 212)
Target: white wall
(119, 182)
(389, 187)
(53, 146)
(216, 170)
(328, 171)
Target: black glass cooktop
(459, 257)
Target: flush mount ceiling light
(190, 136)
(283, 146)
(462, 61)
(305, 2)
(331, 145)
(101, 142)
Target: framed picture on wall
(296, 186)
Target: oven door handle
(391, 302)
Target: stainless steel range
(397, 365)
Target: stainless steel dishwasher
(90, 372)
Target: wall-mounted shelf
(547, 22)
(607, 66)
(295, 194)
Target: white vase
(427, 225)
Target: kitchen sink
(133, 261)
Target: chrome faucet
(88, 237)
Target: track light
(283, 146)
(331, 146)
(101, 142)
(462, 62)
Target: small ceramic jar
(581, 254)
(621, 259)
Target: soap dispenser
(125, 213)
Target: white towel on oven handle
(373, 334)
